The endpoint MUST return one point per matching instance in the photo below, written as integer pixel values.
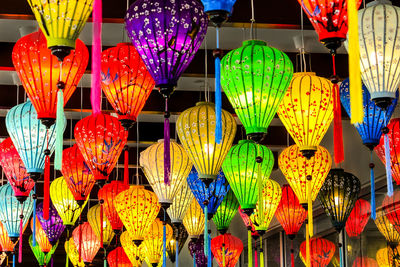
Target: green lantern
(42, 258)
(245, 167)
(225, 212)
(255, 78)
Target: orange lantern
(41, 236)
(6, 244)
(118, 258)
(322, 251)
(226, 249)
(86, 242)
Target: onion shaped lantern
(61, 23)
(387, 229)
(85, 238)
(72, 253)
(100, 139)
(194, 220)
(132, 251)
(391, 206)
(321, 251)
(5, 242)
(180, 204)
(107, 195)
(118, 258)
(255, 78)
(306, 110)
(41, 237)
(137, 209)
(196, 249)
(384, 257)
(53, 227)
(226, 249)
(14, 169)
(225, 212)
(125, 82)
(177, 242)
(42, 257)
(358, 218)
(365, 262)
(94, 219)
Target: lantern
(384, 258)
(53, 227)
(77, 174)
(180, 204)
(338, 195)
(107, 195)
(42, 257)
(5, 242)
(246, 220)
(358, 218)
(94, 219)
(196, 130)
(64, 202)
(137, 209)
(246, 166)
(41, 237)
(194, 220)
(117, 258)
(196, 249)
(225, 212)
(72, 253)
(365, 262)
(88, 240)
(175, 245)
(226, 249)
(306, 110)
(322, 251)
(387, 229)
(390, 206)
(100, 139)
(152, 161)
(15, 171)
(131, 250)
(125, 81)
(61, 22)
(255, 78)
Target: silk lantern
(225, 212)
(42, 257)
(194, 220)
(53, 227)
(390, 206)
(365, 262)
(358, 218)
(387, 229)
(118, 258)
(175, 245)
(5, 241)
(86, 242)
(125, 82)
(384, 258)
(72, 253)
(132, 251)
(196, 249)
(226, 249)
(41, 237)
(180, 204)
(322, 251)
(100, 227)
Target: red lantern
(246, 220)
(393, 136)
(107, 195)
(125, 81)
(365, 262)
(391, 208)
(118, 258)
(358, 218)
(15, 171)
(100, 138)
(39, 72)
(77, 174)
(226, 249)
(321, 251)
(86, 242)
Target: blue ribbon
(372, 176)
(177, 253)
(218, 102)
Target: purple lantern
(196, 249)
(53, 227)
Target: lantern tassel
(13, 259)
(46, 188)
(308, 254)
(356, 98)
(164, 264)
(101, 226)
(206, 230)
(67, 256)
(34, 219)
(261, 252)
(209, 258)
(291, 253)
(259, 160)
(167, 155)
(126, 166)
(105, 258)
(95, 93)
(194, 259)
(310, 208)
(60, 126)
(20, 234)
(340, 254)
(255, 257)
(218, 102)
(372, 176)
(249, 253)
(337, 119)
(223, 254)
(177, 253)
(388, 163)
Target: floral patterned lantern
(118, 258)
(226, 249)
(175, 245)
(53, 227)
(72, 253)
(390, 206)
(322, 251)
(387, 229)
(196, 249)
(132, 251)
(5, 242)
(98, 226)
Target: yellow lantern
(72, 253)
(180, 204)
(41, 237)
(384, 257)
(194, 220)
(306, 111)
(196, 130)
(64, 202)
(153, 241)
(94, 219)
(6, 244)
(132, 251)
(137, 208)
(152, 161)
(387, 229)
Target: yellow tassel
(356, 98)
(310, 209)
(308, 254)
(261, 253)
(249, 250)
(260, 190)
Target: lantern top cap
(137, 186)
(162, 140)
(245, 141)
(297, 74)
(254, 42)
(203, 103)
(379, 2)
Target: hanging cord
(46, 186)
(260, 185)
(310, 207)
(255, 254)
(137, 152)
(308, 253)
(21, 224)
(303, 64)
(205, 203)
(252, 20)
(388, 166)
(372, 178)
(177, 249)
(164, 240)
(291, 253)
(249, 245)
(217, 53)
(337, 118)
(60, 122)
(223, 251)
(209, 257)
(167, 155)
(194, 259)
(261, 252)
(206, 89)
(34, 196)
(101, 201)
(67, 254)
(126, 164)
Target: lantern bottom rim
(383, 101)
(48, 122)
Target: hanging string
(67, 255)
(388, 167)
(218, 104)
(194, 259)
(101, 222)
(105, 258)
(206, 89)
(46, 186)
(137, 152)
(34, 196)
(249, 252)
(372, 178)
(308, 254)
(259, 161)
(255, 255)
(21, 224)
(303, 64)
(310, 207)
(252, 20)
(261, 252)
(206, 225)
(340, 254)
(177, 252)
(126, 165)
(337, 117)
(291, 253)
(167, 155)
(95, 93)
(164, 240)
(209, 257)
(14, 258)
(60, 122)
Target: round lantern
(5, 242)
(391, 206)
(41, 237)
(226, 249)
(72, 253)
(152, 162)
(175, 245)
(365, 262)
(53, 227)
(306, 110)
(77, 174)
(61, 22)
(125, 82)
(63, 200)
(94, 219)
(42, 257)
(225, 212)
(194, 220)
(358, 218)
(196, 130)
(255, 78)
(384, 257)
(84, 236)
(132, 251)
(137, 209)
(15, 171)
(387, 229)
(41, 73)
(321, 251)
(100, 139)
(118, 258)
(243, 165)
(107, 195)
(196, 249)
(180, 204)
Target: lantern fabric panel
(194, 220)
(5, 242)
(180, 235)
(229, 245)
(365, 262)
(390, 206)
(42, 257)
(94, 219)
(41, 237)
(132, 251)
(153, 241)
(321, 251)
(196, 249)
(384, 257)
(358, 218)
(386, 228)
(117, 258)
(180, 204)
(90, 243)
(225, 212)
(53, 227)
(72, 253)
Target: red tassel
(101, 226)
(337, 119)
(20, 237)
(126, 166)
(292, 254)
(46, 189)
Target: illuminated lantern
(41, 237)
(225, 212)
(5, 242)
(77, 174)
(90, 243)
(322, 251)
(306, 110)
(53, 227)
(358, 218)
(194, 220)
(137, 209)
(390, 206)
(100, 138)
(226, 249)
(196, 249)
(177, 242)
(246, 220)
(153, 241)
(42, 257)
(365, 262)
(125, 82)
(15, 171)
(107, 195)
(338, 196)
(384, 258)
(117, 258)
(131, 250)
(211, 196)
(255, 78)
(72, 253)
(245, 173)
(180, 204)
(94, 219)
(61, 22)
(387, 229)
(152, 162)
(63, 200)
